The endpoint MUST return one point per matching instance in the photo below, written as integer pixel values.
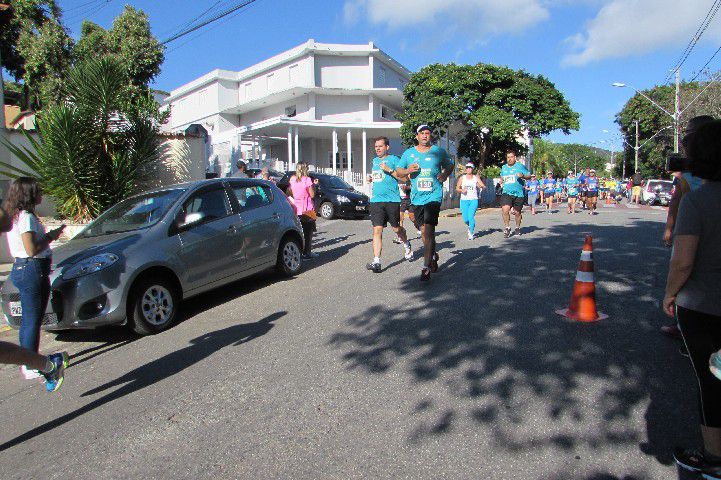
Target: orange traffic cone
(582, 306)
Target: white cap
(423, 127)
(470, 165)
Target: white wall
(332, 71)
(198, 104)
(342, 108)
(392, 78)
(278, 109)
(291, 74)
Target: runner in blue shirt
(560, 183)
(549, 189)
(513, 176)
(385, 206)
(428, 166)
(592, 185)
(582, 187)
(572, 185)
(532, 186)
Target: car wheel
(154, 306)
(289, 257)
(327, 210)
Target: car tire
(327, 210)
(289, 261)
(153, 305)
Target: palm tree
(96, 148)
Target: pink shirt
(301, 197)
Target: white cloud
(633, 27)
(476, 19)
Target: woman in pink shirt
(301, 185)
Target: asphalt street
(342, 373)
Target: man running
(582, 187)
(592, 192)
(385, 205)
(512, 175)
(428, 166)
(532, 186)
(572, 191)
(549, 189)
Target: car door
(208, 247)
(259, 219)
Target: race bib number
(424, 185)
(377, 176)
(507, 179)
(470, 189)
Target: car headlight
(90, 265)
(343, 199)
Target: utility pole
(635, 169)
(676, 112)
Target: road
(342, 373)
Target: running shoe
(374, 267)
(408, 252)
(692, 460)
(425, 274)
(507, 232)
(434, 263)
(518, 231)
(54, 379)
(714, 364)
(397, 241)
(470, 235)
(419, 233)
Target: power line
(696, 37)
(706, 65)
(174, 30)
(210, 20)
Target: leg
(29, 280)
(471, 212)
(429, 243)
(377, 242)
(401, 232)
(307, 236)
(517, 212)
(506, 215)
(16, 355)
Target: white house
(318, 103)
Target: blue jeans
(468, 210)
(31, 277)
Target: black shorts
(383, 213)
(511, 201)
(405, 204)
(427, 214)
(591, 194)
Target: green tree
(563, 157)
(491, 106)
(96, 147)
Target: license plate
(360, 208)
(16, 310)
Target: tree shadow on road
(160, 369)
(484, 329)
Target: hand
(441, 177)
(54, 234)
(414, 167)
(519, 175)
(669, 305)
(384, 167)
(667, 234)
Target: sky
(582, 46)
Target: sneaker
(54, 379)
(29, 374)
(693, 460)
(425, 274)
(518, 231)
(470, 235)
(419, 233)
(397, 241)
(374, 267)
(507, 232)
(407, 252)
(434, 263)
(671, 331)
(714, 364)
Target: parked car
(656, 192)
(137, 261)
(334, 197)
(275, 175)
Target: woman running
(532, 186)
(559, 190)
(572, 191)
(549, 189)
(468, 186)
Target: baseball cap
(533, 174)
(470, 165)
(423, 127)
(593, 171)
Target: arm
(33, 245)
(671, 217)
(458, 185)
(680, 268)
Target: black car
(334, 196)
(274, 174)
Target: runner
(592, 192)
(468, 186)
(549, 189)
(512, 176)
(404, 189)
(532, 187)
(572, 189)
(428, 166)
(558, 192)
(385, 205)
(582, 187)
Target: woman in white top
(469, 186)
(30, 245)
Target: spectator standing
(303, 191)
(694, 287)
(242, 167)
(636, 182)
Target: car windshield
(133, 213)
(335, 182)
(663, 186)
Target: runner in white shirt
(469, 186)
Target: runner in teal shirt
(513, 175)
(385, 185)
(425, 186)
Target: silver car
(138, 260)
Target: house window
(293, 75)
(387, 113)
(382, 77)
(290, 111)
(341, 160)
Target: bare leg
(377, 241)
(16, 355)
(506, 214)
(400, 231)
(519, 217)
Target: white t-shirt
(25, 222)
(469, 188)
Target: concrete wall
(332, 71)
(271, 111)
(342, 108)
(295, 73)
(384, 76)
